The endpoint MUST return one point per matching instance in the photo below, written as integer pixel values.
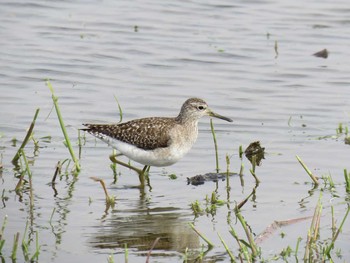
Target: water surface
(250, 60)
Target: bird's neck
(183, 120)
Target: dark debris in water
(322, 54)
(255, 149)
(208, 177)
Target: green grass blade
(2, 241)
(60, 119)
(233, 259)
(120, 110)
(347, 181)
(330, 247)
(215, 145)
(314, 179)
(210, 244)
(15, 246)
(26, 139)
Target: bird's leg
(146, 172)
(142, 173)
(145, 169)
(114, 160)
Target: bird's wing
(146, 133)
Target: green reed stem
(35, 257)
(60, 119)
(79, 144)
(126, 254)
(52, 214)
(120, 110)
(31, 197)
(241, 169)
(243, 248)
(347, 180)
(297, 247)
(253, 163)
(240, 151)
(26, 139)
(313, 230)
(228, 162)
(15, 246)
(185, 256)
(330, 247)
(25, 245)
(227, 172)
(210, 244)
(2, 241)
(233, 259)
(314, 179)
(249, 235)
(334, 228)
(215, 145)
(110, 259)
(257, 181)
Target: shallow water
(152, 56)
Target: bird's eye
(201, 107)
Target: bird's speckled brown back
(146, 133)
